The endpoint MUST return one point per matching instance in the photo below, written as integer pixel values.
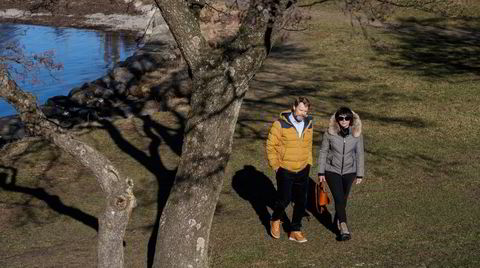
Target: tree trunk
(220, 79)
(187, 217)
(117, 189)
(119, 199)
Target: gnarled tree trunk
(220, 79)
(119, 198)
(186, 220)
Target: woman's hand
(358, 180)
(321, 178)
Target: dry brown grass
(416, 207)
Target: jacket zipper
(343, 156)
(303, 132)
(305, 127)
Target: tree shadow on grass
(8, 183)
(436, 47)
(408, 121)
(255, 187)
(152, 161)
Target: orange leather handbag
(321, 197)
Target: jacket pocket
(329, 159)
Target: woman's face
(344, 120)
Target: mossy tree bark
(119, 198)
(220, 76)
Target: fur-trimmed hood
(334, 128)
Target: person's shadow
(255, 187)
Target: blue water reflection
(85, 54)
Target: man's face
(300, 112)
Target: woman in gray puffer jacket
(341, 161)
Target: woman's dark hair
(344, 111)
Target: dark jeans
(340, 186)
(291, 186)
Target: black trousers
(291, 186)
(340, 186)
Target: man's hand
(321, 178)
(358, 180)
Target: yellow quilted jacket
(285, 149)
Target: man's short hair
(303, 100)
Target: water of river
(85, 54)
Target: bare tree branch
(117, 189)
(185, 29)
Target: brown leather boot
(297, 236)
(275, 228)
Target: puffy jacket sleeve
(322, 155)
(360, 155)
(273, 145)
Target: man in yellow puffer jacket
(289, 153)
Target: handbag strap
(323, 185)
(317, 204)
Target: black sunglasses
(346, 118)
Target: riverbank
(137, 86)
(153, 79)
(114, 15)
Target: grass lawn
(417, 93)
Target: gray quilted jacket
(342, 155)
